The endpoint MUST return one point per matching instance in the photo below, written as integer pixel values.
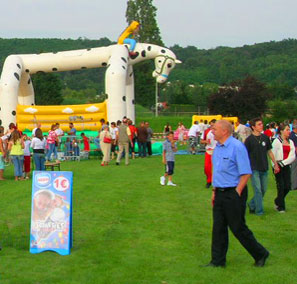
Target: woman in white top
(38, 145)
(284, 152)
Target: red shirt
(86, 143)
(286, 151)
(133, 130)
(205, 133)
(268, 133)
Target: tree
(245, 99)
(144, 12)
(282, 110)
(48, 88)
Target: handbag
(106, 140)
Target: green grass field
(128, 229)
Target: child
(86, 141)
(75, 147)
(27, 156)
(169, 148)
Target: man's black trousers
(229, 211)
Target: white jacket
(277, 150)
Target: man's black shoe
(213, 265)
(208, 185)
(117, 163)
(261, 261)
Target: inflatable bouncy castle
(17, 101)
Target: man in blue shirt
(231, 171)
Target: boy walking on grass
(169, 149)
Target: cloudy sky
(202, 23)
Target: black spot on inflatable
(29, 81)
(149, 48)
(124, 67)
(27, 70)
(32, 104)
(55, 69)
(83, 67)
(104, 64)
(124, 98)
(133, 102)
(124, 59)
(134, 56)
(0, 108)
(143, 53)
(131, 74)
(89, 49)
(163, 50)
(13, 112)
(0, 122)
(17, 76)
(18, 65)
(39, 72)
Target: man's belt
(225, 188)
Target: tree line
(274, 64)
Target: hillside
(270, 62)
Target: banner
(51, 212)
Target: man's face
(70, 125)
(218, 131)
(258, 126)
(147, 124)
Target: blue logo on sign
(43, 180)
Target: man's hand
(213, 197)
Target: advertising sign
(51, 212)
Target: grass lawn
(128, 229)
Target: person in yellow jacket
(127, 36)
(16, 147)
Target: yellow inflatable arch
(84, 117)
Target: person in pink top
(52, 141)
(181, 132)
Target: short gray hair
(226, 125)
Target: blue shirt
(230, 161)
(169, 151)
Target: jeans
(39, 160)
(142, 149)
(132, 43)
(18, 162)
(259, 183)
(52, 149)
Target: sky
(202, 23)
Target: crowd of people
(232, 156)
(114, 140)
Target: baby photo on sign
(49, 219)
